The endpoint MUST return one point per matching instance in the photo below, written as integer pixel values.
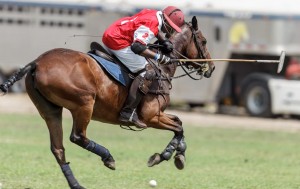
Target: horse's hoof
(179, 161)
(110, 163)
(154, 160)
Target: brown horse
(63, 78)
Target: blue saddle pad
(113, 69)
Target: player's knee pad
(147, 81)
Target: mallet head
(281, 62)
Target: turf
(217, 158)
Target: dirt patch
(21, 103)
(17, 103)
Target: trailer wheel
(257, 99)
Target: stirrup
(137, 123)
(133, 118)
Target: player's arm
(142, 50)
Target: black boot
(128, 113)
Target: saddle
(99, 50)
(115, 68)
(111, 64)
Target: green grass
(217, 158)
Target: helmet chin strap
(168, 28)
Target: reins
(187, 73)
(179, 63)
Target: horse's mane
(179, 41)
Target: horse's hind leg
(52, 115)
(81, 119)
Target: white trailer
(29, 28)
(248, 30)
(234, 29)
(257, 29)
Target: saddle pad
(113, 69)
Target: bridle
(200, 53)
(169, 29)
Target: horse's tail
(16, 77)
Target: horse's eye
(204, 42)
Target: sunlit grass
(216, 158)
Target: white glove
(162, 59)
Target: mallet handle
(226, 60)
(279, 67)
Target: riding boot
(138, 89)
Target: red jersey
(142, 27)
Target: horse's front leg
(179, 158)
(173, 123)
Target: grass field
(216, 158)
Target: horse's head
(192, 44)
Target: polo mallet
(279, 68)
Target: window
(61, 24)
(217, 33)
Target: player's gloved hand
(167, 46)
(162, 59)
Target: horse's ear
(195, 23)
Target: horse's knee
(74, 138)
(177, 124)
(177, 120)
(178, 130)
(77, 139)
